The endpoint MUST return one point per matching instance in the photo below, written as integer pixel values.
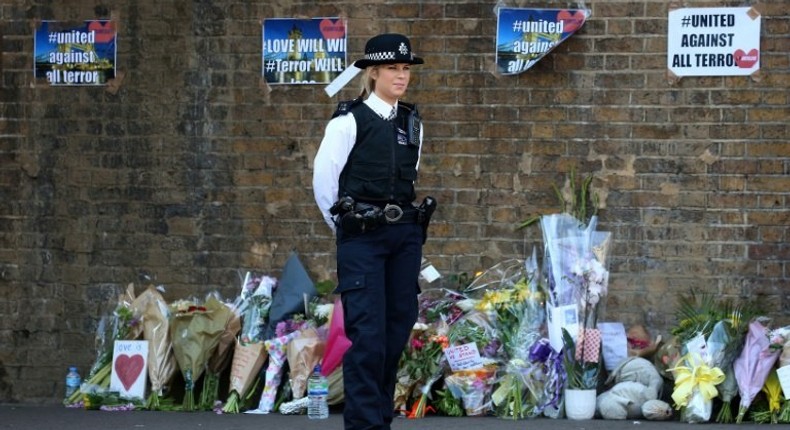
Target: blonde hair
(368, 83)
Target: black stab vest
(381, 167)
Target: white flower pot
(580, 404)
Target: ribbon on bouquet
(696, 376)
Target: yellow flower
(773, 390)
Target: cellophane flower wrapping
(277, 349)
(473, 387)
(576, 273)
(162, 364)
(513, 302)
(783, 363)
(576, 276)
(195, 330)
(122, 323)
(249, 350)
(754, 363)
(422, 362)
(695, 386)
(337, 343)
(724, 344)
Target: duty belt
(392, 213)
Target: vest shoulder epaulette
(408, 108)
(345, 106)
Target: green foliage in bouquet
(577, 200)
(581, 375)
(121, 324)
(699, 313)
(447, 404)
(325, 287)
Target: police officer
(363, 182)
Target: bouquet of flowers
(696, 379)
(576, 277)
(219, 361)
(424, 363)
(532, 384)
(473, 387)
(754, 364)
(277, 349)
(582, 355)
(516, 309)
(195, 330)
(156, 330)
(724, 344)
(510, 397)
(476, 327)
(302, 354)
(439, 305)
(695, 387)
(249, 351)
(123, 323)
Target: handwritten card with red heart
(129, 368)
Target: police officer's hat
(388, 48)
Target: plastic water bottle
(317, 391)
(73, 381)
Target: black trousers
(377, 281)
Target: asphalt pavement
(48, 417)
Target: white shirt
(338, 141)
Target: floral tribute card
(463, 357)
(129, 368)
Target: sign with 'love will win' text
(129, 368)
(716, 41)
(303, 51)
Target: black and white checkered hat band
(380, 56)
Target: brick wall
(193, 169)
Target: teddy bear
(635, 384)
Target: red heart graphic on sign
(332, 29)
(744, 60)
(128, 369)
(105, 31)
(571, 21)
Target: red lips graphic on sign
(105, 31)
(332, 29)
(571, 21)
(128, 369)
(746, 60)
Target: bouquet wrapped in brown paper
(156, 330)
(248, 360)
(303, 353)
(219, 361)
(196, 330)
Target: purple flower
(491, 349)
(540, 351)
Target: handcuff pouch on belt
(355, 217)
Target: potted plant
(582, 372)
